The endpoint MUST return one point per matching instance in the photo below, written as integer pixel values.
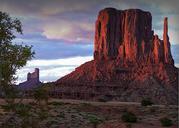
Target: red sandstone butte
(130, 62)
(128, 36)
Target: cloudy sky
(62, 31)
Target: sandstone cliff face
(122, 34)
(130, 57)
(128, 36)
(167, 52)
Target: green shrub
(129, 117)
(146, 102)
(22, 110)
(102, 100)
(61, 115)
(85, 104)
(43, 114)
(166, 122)
(152, 110)
(129, 125)
(18, 108)
(7, 107)
(54, 103)
(94, 120)
(105, 98)
(40, 93)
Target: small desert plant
(10, 94)
(129, 117)
(22, 110)
(85, 104)
(54, 103)
(61, 115)
(42, 114)
(94, 120)
(129, 125)
(166, 122)
(7, 107)
(41, 94)
(103, 99)
(146, 102)
(152, 110)
(41, 97)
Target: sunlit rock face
(128, 36)
(129, 56)
(167, 51)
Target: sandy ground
(71, 101)
(74, 114)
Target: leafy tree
(12, 56)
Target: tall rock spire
(165, 27)
(167, 52)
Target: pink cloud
(70, 31)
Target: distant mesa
(32, 81)
(130, 62)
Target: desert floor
(85, 114)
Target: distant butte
(32, 81)
(130, 62)
(128, 37)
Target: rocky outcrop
(32, 81)
(122, 34)
(129, 57)
(128, 36)
(167, 52)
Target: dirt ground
(85, 114)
